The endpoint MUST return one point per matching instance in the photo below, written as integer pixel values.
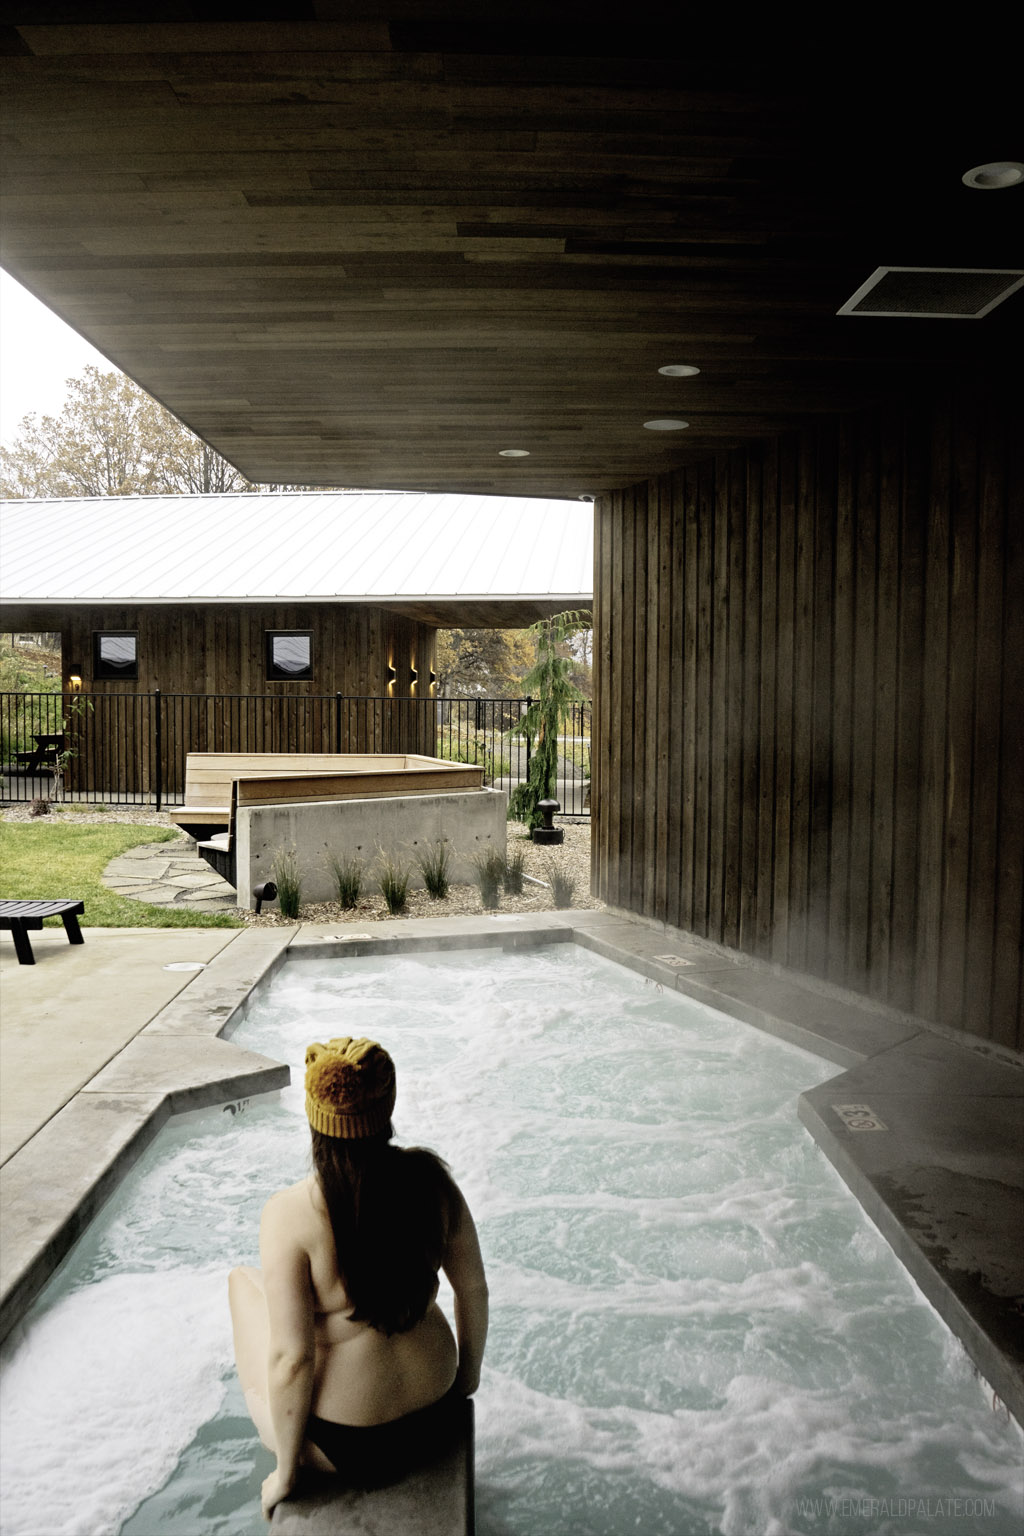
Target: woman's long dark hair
(392, 1210)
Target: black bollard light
(265, 892)
(548, 833)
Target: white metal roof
(355, 546)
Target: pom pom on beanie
(350, 1087)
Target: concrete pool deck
(100, 1044)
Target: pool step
(435, 1501)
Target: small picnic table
(49, 745)
(20, 916)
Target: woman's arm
(292, 1358)
(464, 1266)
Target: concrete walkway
(69, 1014)
(99, 1044)
(169, 875)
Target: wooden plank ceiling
(378, 251)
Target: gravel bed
(572, 856)
(69, 814)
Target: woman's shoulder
(292, 1203)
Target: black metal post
(158, 736)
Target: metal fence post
(158, 737)
(337, 721)
(529, 701)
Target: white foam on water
(103, 1394)
(693, 1323)
(744, 1465)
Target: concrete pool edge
(158, 1074)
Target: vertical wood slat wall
(809, 707)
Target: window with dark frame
(289, 655)
(115, 656)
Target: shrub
(490, 872)
(515, 868)
(32, 707)
(473, 749)
(578, 753)
(348, 878)
(435, 865)
(553, 693)
(393, 882)
(288, 882)
(40, 806)
(563, 886)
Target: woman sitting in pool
(346, 1360)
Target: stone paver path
(166, 875)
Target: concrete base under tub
(469, 821)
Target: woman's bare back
(363, 1376)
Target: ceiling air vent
(931, 293)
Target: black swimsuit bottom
(373, 1455)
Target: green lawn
(51, 859)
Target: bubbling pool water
(695, 1329)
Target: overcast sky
(38, 352)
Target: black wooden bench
(20, 916)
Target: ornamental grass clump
(347, 874)
(515, 869)
(435, 866)
(393, 882)
(563, 886)
(490, 873)
(289, 883)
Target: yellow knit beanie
(350, 1087)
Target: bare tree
(111, 439)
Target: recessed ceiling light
(513, 453)
(665, 424)
(679, 370)
(995, 175)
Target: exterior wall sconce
(75, 677)
(433, 679)
(413, 674)
(391, 675)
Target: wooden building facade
(821, 642)
(283, 621)
(222, 648)
(203, 681)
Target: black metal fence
(130, 749)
